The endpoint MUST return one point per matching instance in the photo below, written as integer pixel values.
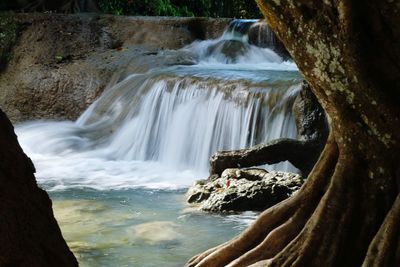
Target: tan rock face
(29, 233)
(61, 63)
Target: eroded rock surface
(243, 189)
(62, 63)
(29, 234)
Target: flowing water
(117, 176)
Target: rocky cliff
(29, 234)
(61, 63)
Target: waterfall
(236, 96)
(182, 121)
(244, 42)
(261, 33)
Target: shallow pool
(139, 227)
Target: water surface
(139, 227)
(117, 176)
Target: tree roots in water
(311, 227)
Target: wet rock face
(261, 35)
(231, 49)
(29, 233)
(243, 189)
(309, 116)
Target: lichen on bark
(345, 214)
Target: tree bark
(347, 212)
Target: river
(118, 175)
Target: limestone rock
(243, 189)
(62, 63)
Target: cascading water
(158, 129)
(233, 47)
(181, 121)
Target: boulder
(243, 189)
(310, 117)
(30, 236)
(231, 49)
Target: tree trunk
(347, 212)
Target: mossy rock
(9, 30)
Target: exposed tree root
(311, 243)
(299, 153)
(199, 257)
(275, 241)
(277, 226)
(299, 231)
(384, 250)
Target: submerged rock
(231, 49)
(157, 232)
(244, 189)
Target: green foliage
(182, 8)
(235, 9)
(115, 7)
(8, 37)
(161, 8)
(199, 8)
(144, 7)
(246, 9)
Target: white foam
(232, 50)
(158, 130)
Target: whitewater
(158, 129)
(118, 174)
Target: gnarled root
(384, 250)
(329, 222)
(277, 226)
